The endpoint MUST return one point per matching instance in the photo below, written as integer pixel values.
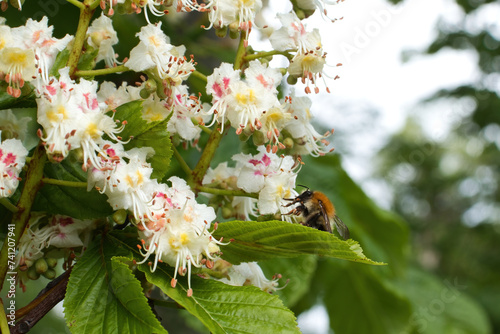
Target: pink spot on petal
(266, 160)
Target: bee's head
(306, 194)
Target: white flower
(37, 36)
(59, 232)
(154, 109)
(18, 66)
(154, 52)
(250, 273)
(293, 35)
(309, 67)
(186, 109)
(218, 85)
(114, 97)
(307, 139)
(129, 186)
(178, 232)
(102, 36)
(12, 159)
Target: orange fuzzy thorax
(327, 205)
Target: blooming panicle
(306, 139)
(154, 52)
(177, 233)
(12, 160)
(102, 36)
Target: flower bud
(41, 266)
(221, 32)
(50, 274)
(32, 274)
(51, 262)
(120, 216)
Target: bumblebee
(318, 212)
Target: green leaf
(103, 296)
(153, 134)
(383, 234)
(224, 308)
(60, 62)
(442, 306)
(87, 60)
(257, 241)
(358, 300)
(297, 272)
(75, 202)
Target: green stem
(4, 326)
(20, 219)
(202, 127)
(8, 205)
(81, 32)
(240, 53)
(226, 192)
(264, 54)
(181, 161)
(216, 136)
(104, 71)
(199, 75)
(64, 183)
(76, 3)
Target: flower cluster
(252, 107)
(72, 117)
(28, 52)
(271, 176)
(309, 59)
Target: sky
(370, 41)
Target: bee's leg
(314, 222)
(293, 201)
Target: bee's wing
(328, 226)
(341, 227)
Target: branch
(49, 297)
(81, 32)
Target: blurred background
(415, 170)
